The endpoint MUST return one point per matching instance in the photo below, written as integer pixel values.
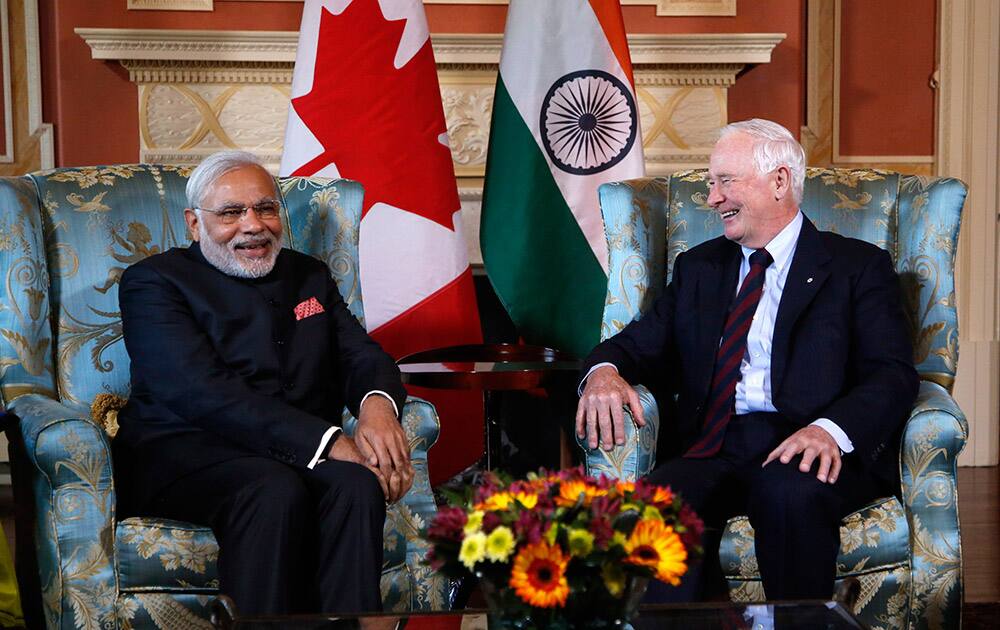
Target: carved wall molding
(166, 71)
(201, 91)
(465, 48)
(32, 140)
(7, 87)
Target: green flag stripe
(536, 257)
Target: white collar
(781, 246)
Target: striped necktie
(729, 357)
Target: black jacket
(840, 349)
(221, 367)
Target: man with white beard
(243, 356)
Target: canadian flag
(366, 106)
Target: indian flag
(565, 121)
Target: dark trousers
(290, 539)
(796, 518)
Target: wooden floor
(979, 516)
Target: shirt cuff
(836, 433)
(583, 381)
(380, 393)
(320, 455)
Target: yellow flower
(497, 502)
(527, 500)
(499, 544)
(652, 512)
(657, 546)
(473, 549)
(474, 522)
(539, 575)
(581, 542)
(614, 578)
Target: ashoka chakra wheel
(588, 122)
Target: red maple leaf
(379, 125)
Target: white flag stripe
(571, 39)
(394, 249)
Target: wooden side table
(490, 368)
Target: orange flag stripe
(609, 14)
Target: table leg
(494, 430)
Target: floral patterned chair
(66, 236)
(904, 549)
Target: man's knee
(351, 484)
(279, 493)
(784, 489)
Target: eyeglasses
(228, 215)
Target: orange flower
(662, 496)
(539, 575)
(570, 491)
(657, 546)
(625, 486)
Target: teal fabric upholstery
(66, 236)
(164, 555)
(905, 550)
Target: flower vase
(506, 612)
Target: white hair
(204, 176)
(773, 146)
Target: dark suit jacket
(221, 368)
(840, 349)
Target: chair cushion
(156, 554)
(874, 538)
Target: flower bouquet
(564, 550)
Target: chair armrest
(635, 458)
(634, 213)
(404, 520)
(933, 438)
(67, 462)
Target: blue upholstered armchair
(904, 549)
(66, 236)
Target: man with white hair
(243, 356)
(789, 364)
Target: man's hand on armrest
(600, 415)
(383, 444)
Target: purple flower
(448, 523)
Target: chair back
(69, 234)
(650, 221)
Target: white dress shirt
(753, 391)
(320, 455)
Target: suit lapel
(807, 274)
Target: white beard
(224, 257)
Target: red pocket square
(308, 308)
